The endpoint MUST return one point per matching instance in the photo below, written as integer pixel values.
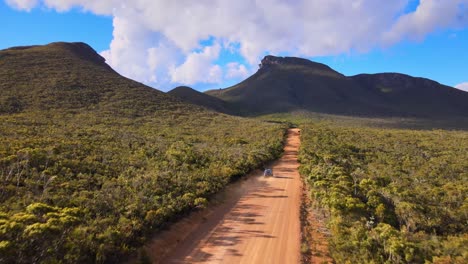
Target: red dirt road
(258, 222)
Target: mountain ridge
(290, 84)
(195, 97)
(72, 77)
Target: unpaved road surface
(258, 222)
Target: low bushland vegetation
(393, 195)
(81, 188)
(92, 163)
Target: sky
(210, 44)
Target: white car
(268, 172)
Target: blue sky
(220, 51)
(441, 56)
(42, 26)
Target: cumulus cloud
(236, 70)
(462, 86)
(429, 16)
(198, 67)
(101, 7)
(22, 4)
(160, 42)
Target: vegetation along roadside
(393, 195)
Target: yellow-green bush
(394, 196)
(89, 187)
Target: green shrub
(394, 196)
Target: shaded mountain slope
(289, 84)
(195, 97)
(415, 96)
(71, 76)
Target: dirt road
(258, 222)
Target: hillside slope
(71, 76)
(289, 84)
(92, 163)
(195, 97)
(415, 96)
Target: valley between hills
(95, 167)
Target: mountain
(72, 77)
(195, 97)
(416, 96)
(284, 84)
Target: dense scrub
(394, 196)
(92, 163)
(90, 187)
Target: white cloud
(102, 7)
(159, 42)
(22, 4)
(236, 70)
(198, 67)
(429, 16)
(462, 86)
